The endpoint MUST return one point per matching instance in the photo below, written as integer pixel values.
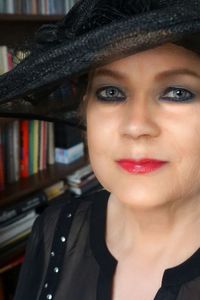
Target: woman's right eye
(110, 94)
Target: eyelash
(120, 97)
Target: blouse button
(69, 215)
(56, 269)
(63, 239)
(52, 253)
(49, 296)
(46, 285)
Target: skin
(158, 210)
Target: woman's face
(147, 106)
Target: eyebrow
(119, 75)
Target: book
(50, 144)
(12, 250)
(9, 150)
(80, 190)
(83, 182)
(31, 147)
(11, 264)
(67, 156)
(36, 146)
(10, 231)
(33, 201)
(55, 190)
(2, 165)
(80, 174)
(4, 67)
(24, 153)
(10, 6)
(16, 150)
(43, 145)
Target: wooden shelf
(16, 28)
(29, 18)
(15, 191)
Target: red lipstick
(141, 166)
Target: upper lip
(140, 161)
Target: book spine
(36, 145)
(24, 161)
(44, 154)
(12, 264)
(2, 176)
(31, 147)
(42, 146)
(80, 174)
(89, 186)
(34, 8)
(2, 7)
(66, 6)
(3, 60)
(70, 155)
(16, 150)
(10, 153)
(41, 7)
(10, 61)
(50, 144)
(10, 9)
(55, 190)
(31, 202)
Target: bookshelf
(14, 191)
(14, 29)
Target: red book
(24, 151)
(10, 61)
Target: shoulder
(67, 206)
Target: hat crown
(90, 14)
(87, 15)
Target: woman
(138, 239)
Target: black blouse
(67, 257)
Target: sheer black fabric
(67, 257)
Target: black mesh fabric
(93, 33)
(67, 257)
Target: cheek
(101, 129)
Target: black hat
(93, 33)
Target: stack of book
(36, 6)
(17, 219)
(26, 147)
(82, 181)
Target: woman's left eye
(177, 95)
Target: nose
(139, 119)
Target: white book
(78, 174)
(10, 6)
(3, 60)
(15, 228)
(67, 6)
(67, 156)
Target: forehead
(165, 58)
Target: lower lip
(142, 168)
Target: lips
(141, 166)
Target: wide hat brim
(44, 70)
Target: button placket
(57, 252)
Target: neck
(154, 231)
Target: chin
(140, 200)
